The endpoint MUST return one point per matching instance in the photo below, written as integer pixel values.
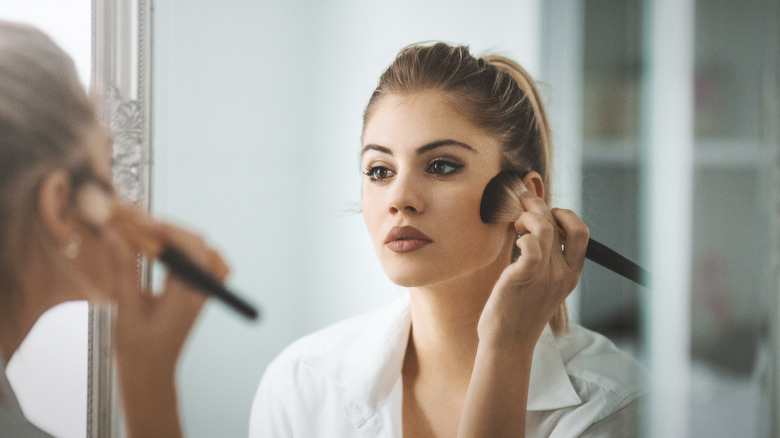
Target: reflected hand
(151, 329)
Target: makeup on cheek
(94, 204)
(501, 203)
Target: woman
(64, 235)
(481, 345)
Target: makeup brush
(501, 203)
(98, 208)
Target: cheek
(462, 206)
(97, 263)
(468, 233)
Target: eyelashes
(438, 167)
(443, 167)
(378, 173)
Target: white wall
(49, 370)
(257, 118)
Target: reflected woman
(481, 344)
(65, 235)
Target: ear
(533, 182)
(55, 207)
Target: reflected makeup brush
(501, 203)
(97, 207)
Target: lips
(406, 239)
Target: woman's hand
(156, 325)
(150, 329)
(523, 300)
(531, 289)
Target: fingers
(144, 234)
(124, 286)
(537, 220)
(567, 228)
(576, 240)
(532, 258)
(188, 297)
(136, 228)
(149, 236)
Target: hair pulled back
(495, 93)
(44, 111)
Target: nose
(406, 196)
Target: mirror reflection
(290, 118)
(260, 143)
(279, 125)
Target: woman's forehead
(419, 118)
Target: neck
(444, 323)
(25, 305)
(16, 321)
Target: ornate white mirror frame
(121, 72)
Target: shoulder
(290, 391)
(303, 388)
(591, 357)
(606, 378)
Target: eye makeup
(444, 166)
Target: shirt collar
(550, 387)
(369, 365)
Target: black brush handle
(182, 266)
(606, 257)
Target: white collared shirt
(345, 381)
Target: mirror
(257, 116)
(121, 77)
(257, 121)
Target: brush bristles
(501, 198)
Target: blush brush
(501, 204)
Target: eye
(378, 173)
(443, 167)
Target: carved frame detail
(121, 72)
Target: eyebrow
(422, 149)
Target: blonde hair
(44, 111)
(495, 93)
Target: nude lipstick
(406, 239)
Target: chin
(412, 276)
(406, 282)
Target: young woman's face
(425, 168)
